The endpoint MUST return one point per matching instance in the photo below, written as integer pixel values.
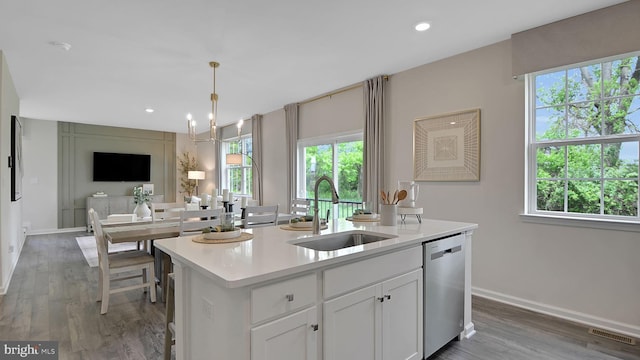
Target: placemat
(288, 227)
(244, 236)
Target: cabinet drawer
(283, 297)
(353, 276)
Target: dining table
(146, 231)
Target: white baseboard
(5, 287)
(586, 319)
(56, 231)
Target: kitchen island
(269, 298)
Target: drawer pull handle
(381, 299)
(388, 297)
(289, 297)
(314, 327)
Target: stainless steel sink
(341, 240)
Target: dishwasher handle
(439, 254)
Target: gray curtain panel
(256, 138)
(373, 164)
(291, 118)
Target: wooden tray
(244, 236)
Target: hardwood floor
(52, 297)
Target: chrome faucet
(334, 199)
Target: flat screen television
(121, 167)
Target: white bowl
(222, 235)
(364, 216)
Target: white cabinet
(292, 337)
(351, 324)
(402, 317)
(377, 314)
(379, 322)
(289, 336)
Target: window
(340, 158)
(238, 178)
(583, 140)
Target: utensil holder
(388, 214)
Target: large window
(584, 136)
(340, 158)
(238, 178)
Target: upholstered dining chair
(122, 262)
(257, 216)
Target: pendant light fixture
(191, 124)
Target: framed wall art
(15, 161)
(447, 147)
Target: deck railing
(345, 208)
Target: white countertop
(270, 255)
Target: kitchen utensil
(401, 196)
(383, 196)
(395, 197)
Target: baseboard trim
(469, 331)
(585, 319)
(5, 287)
(56, 231)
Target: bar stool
(170, 326)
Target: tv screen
(121, 167)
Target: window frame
(245, 168)
(531, 213)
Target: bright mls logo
(29, 350)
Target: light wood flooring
(52, 297)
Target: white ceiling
(128, 55)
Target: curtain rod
(336, 92)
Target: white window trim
(530, 213)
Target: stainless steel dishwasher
(443, 291)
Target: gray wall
(11, 234)
(76, 144)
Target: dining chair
(166, 211)
(193, 221)
(300, 207)
(258, 216)
(120, 262)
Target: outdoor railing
(345, 208)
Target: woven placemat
(244, 236)
(291, 228)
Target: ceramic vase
(142, 211)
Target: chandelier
(191, 124)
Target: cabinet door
(402, 317)
(292, 337)
(352, 326)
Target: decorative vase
(142, 211)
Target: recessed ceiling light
(423, 26)
(149, 110)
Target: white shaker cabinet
(377, 314)
(292, 337)
(379, 322)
